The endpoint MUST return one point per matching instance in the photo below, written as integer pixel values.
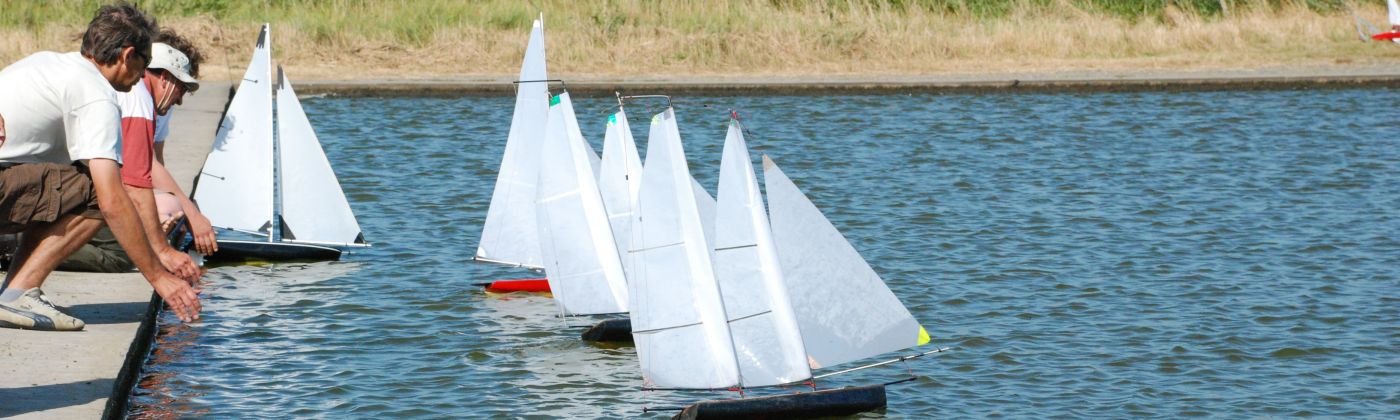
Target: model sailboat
(275, 184)
(1368, 31)
(619, 177)
(765, 304)
(620, 183)
(510, 235)
(580, 255)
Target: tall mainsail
(313, 207)
(235, 185)
(620, 178)
(580, 257)
(678, 317)
(767, 341)
(843, 308)
(510, 234)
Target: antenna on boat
(565, 86)
(666, 97)
(621, 99)
(537, 8)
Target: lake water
(1227, 254)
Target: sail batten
(511, 233)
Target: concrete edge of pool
(1066, 81)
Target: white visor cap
(166, 57)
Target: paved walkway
(52, 375)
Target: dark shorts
(34, 193)
(102, 254)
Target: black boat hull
(239, 251)
(610, 331)
(828, 403)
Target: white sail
(234, 189)
(678, 320)
(1393, 12)
(510, 234)
(706, 205)
(595, 163)
(767, 341)
(619, 178)
(580, 257)
(843, 308)
(314, 208)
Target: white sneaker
(33, 311)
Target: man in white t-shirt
(169, 76)
(59, 176)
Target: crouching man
(59, 177)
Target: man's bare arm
(205, 240)
(121, 217)
(177, 262)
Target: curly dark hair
(116, 27)
(169, 37)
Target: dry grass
(341, 39)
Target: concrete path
(53, 375)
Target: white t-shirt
(57, 109)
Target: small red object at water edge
(1386, 36)
(521, 285)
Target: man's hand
(205, 239)
(183, 299)
(122, 218)
(168, 224)
(180, 264)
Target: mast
(274, 233)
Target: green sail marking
(612, 120)
(554, 100)
(923, 336)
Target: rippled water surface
(1087, 255)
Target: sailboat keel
(610, 331)
(828, 403)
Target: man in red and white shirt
(145, 115)
(166, 80)
(203, 231)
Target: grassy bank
(342, 39)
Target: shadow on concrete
(18, 401)
(109, 313)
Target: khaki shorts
(33, 193)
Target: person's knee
(167, 205)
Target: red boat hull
(520, 285)
(1386, 36)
